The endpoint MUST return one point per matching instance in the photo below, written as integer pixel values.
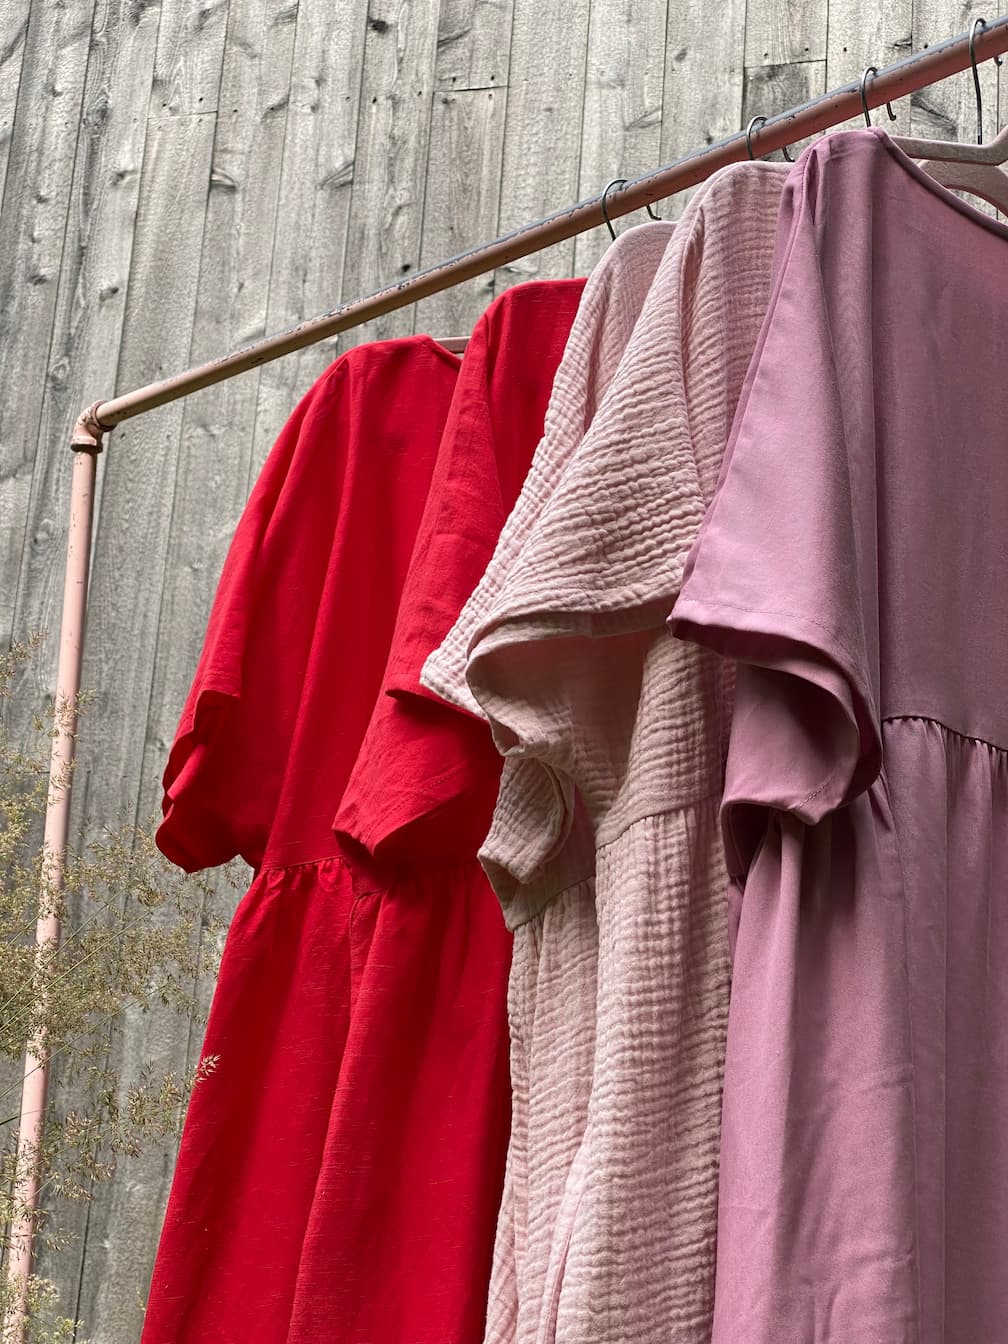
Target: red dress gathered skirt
(340, 1169)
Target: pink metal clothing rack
(895, 81)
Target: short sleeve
(609, 306)
(426, 776)
(212, 808)
(300, 627)
(783, 575)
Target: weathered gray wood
(212, 464)
(770, 89)
(189, 53)
(386, 202)
(702, 93)
(270, 190)
(314, 199)
(90, 305)
(779, 32)
(474, 43)
(542, 135)
(461, 199)
(947, 111)
(39, 173)
(863, 33)
(218, 424)
(130, 551)
(13, 30)
(621, 125)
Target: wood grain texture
(212, 464)
(13, 31)
(313, 204)
(189, 55)
(218, 424)
(770, 89)
(130, 553)
(863, 33)
(781, 31)
(81, 365)
(90, 304)
(40, 170)
(542, 133)
(178, 176)
(473, 44)
(386, 202)
(461, 200)
(621, 125)
(702, 91)
(947, 111)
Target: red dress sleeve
(213, 808)
(300, 627)
(442, 760)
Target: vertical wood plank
(213, 463)
(90, 305)
(13, 30)
(473, 44)
(40, 170)
(770, 89)
(90, 299)
(130, 550)
(862, 33)
(218, 423)
(189, 54)
(702, 92)
(621, 125)
(386, 202)
(314, 200)
(461, 200)
(542, 134)
(779, 32)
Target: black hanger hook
(616, 182)
(863, 90)
(749, 134)
(620, 182)
(978, 23)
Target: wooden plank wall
(179, 177)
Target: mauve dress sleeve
(783, 574)
(816, 1218)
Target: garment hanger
(621, 182)
(978, 169)
(750, 128)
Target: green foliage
(136, 937)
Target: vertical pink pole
(87, 445)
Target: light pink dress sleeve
(613, 735)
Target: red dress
(340, 1170)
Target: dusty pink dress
(605, 836)
(855, 560)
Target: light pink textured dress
(552, 989)
(855, 559)
(614, 734)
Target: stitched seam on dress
(953, 732)
(659, 813)
(816, 792)
(305, 863)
